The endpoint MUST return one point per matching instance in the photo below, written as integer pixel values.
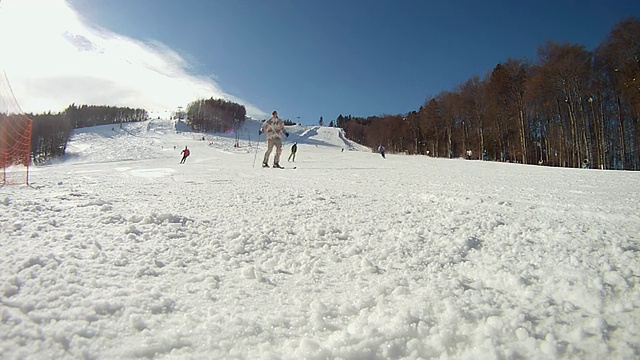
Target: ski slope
(118, 251)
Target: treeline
(51, 132)
(215, 115)
(569, 107)
(94, 115)
(49, 136)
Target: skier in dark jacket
(294, 149)
(381, 151)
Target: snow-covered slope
(323, 136)
(153, 139)
(120, 252)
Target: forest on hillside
(571, 107)
(50, 133)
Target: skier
(274, 127)
(294, 149)
(381, 151)
(185, 154)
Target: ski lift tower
(180, 113)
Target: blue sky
(309, 58)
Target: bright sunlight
(55, 59)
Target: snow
(121, 252)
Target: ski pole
(256, 155)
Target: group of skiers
(276, 132)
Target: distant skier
(294, 149)
(185, 154)
(381, 151)
(274, 127)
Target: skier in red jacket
(185, 154)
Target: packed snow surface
(120, 252)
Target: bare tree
(507, 88)
(474, 114)
(619, 59)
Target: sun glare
(58, 60)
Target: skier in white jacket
(274, 127)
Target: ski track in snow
(120, 252)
